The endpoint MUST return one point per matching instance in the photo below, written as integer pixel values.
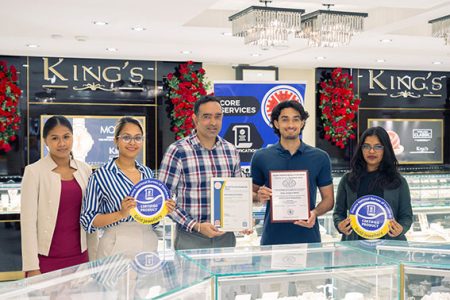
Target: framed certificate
(231, 203)
(290, 196)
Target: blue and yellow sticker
(150, 195)
(370, 216)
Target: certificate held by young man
(231, 203)
(290, 196)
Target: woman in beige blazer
(52, 193)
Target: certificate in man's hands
(231, 203)
(290, 196)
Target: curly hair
(276, 112)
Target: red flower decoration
(9, 100)
(185, 86)
(339, 107)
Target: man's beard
(291, 137)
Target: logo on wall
(242, 123)
(276, 95)
(245, 137)
(242, 136)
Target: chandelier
(266, 26)
(327, 28)
(441, 28)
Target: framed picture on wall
(93, 138)
(415, 141)
(256, 74)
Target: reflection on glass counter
(148, 276)
(426, 267)
(380, 269)
(301, 271)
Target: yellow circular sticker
(150, 196)
(370, 216)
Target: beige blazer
(40, 195)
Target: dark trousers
(194, 240)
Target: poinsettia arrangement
(338, 105)
(9, 111)
(185, 86)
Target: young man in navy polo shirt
(291, 153)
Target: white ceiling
(198, 26)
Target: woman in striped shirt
(107, 202)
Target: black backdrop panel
(391, 94)
(394, 88)
(56, 79)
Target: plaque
(150, 195)
(370, 216)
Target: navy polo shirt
(276, 158)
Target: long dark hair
(388, 176)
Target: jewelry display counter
(306, 271)
(147, 276)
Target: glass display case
(430, 195)
(300, 271)
(10, 249)
(147, 276)
(9, 199)
(425, 267)
(430, 199)
(380, 269)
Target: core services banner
(247, 108)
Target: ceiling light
(227, 34)
(255, 54)
(138, 28)
(321, 58)
(185, 52)
(437, 62)
(380, 60)
(386, 41)
(266, 26)
(32, 46)
(112, 49)
(100, 23)
(327, 28)
(441, 28)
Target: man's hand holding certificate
(290, 196)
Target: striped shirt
(187, 168)
(105, 191)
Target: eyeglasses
(128, 138)
(367, 147)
